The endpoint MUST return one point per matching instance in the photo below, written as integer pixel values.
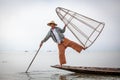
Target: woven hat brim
(52, 23)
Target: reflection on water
(75, 76)
(52, 75)
(55, 75)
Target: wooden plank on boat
(90, 70)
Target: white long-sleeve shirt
(56, 36)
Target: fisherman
(58, 37)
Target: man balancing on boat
(58, 37)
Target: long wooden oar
(32, 60)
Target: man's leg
(62, 58)
(75, 46)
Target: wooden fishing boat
(90, 70)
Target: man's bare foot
(85, 48)
(60, 65)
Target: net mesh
(85, 29)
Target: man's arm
(63, 30)
(45, 39)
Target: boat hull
(90, 70)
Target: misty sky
(23, 22)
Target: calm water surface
(14, 64)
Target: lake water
(14, 64)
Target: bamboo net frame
(85, 29)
